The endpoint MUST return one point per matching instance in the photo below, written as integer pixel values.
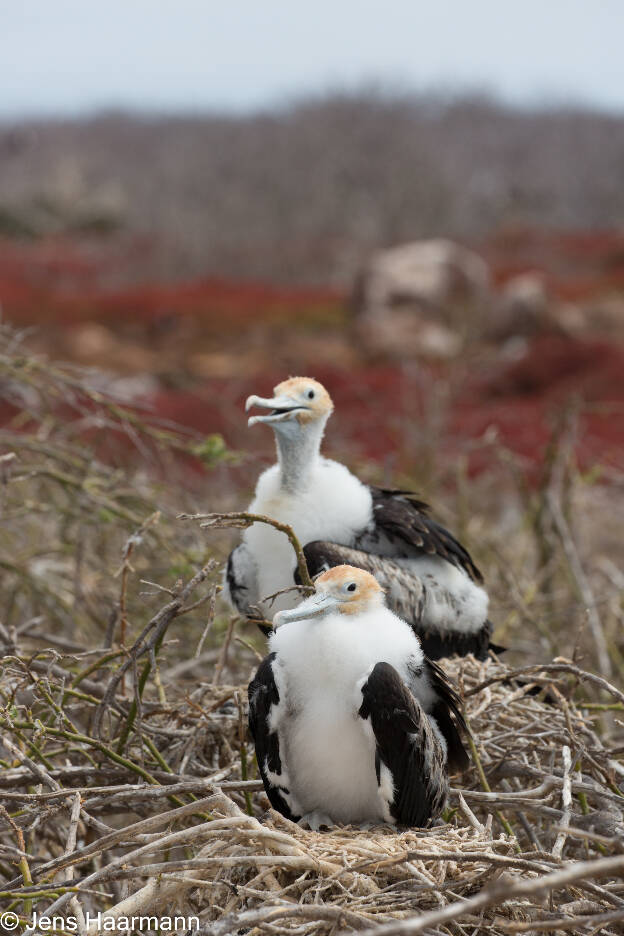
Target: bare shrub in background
(304, 192)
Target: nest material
(554, 808)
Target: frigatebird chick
(351, 722)
(429, 577)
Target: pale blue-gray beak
(315, 606)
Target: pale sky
(72, 56)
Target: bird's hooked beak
(315, 606)
(283, 408)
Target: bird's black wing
(438, 645)
(445, 708)
(406, 746)
(406, 595)
(263, 695)
(402, 528)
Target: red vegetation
(522, 401)
(383, 413)
(59, 280)
(562, 367)
(212, 342)
(575, 265)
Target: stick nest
(199, 838)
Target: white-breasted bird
(351, 722)
(429, 578)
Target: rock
(208, 364)
(399, 332)
(430, 275)
(525, 308)
(89, 342)
(417, 298)
(604, 314)
(570, 319)
(522, 307)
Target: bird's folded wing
(409, 759)
(402, 527)
(406, 595)
(446, 709)
(264, 697)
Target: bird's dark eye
(310, 394)
(351, 587)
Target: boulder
(522, 307)
(418, 297)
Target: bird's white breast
(334, 505)
(329, 751)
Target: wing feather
(402, 527)
(263, 696)
(446, 710)
(407, 746)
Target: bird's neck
(298, 452)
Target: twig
(566, 798)
(582, 582)
(499, 891)
(242, 520)
(209, 622)
(252, 918)
(242, 735)
(225, 646)
(158, 625)
(556, 667)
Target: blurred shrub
(305, 191)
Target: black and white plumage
(350, 721)
(430, 578)
(412, 597)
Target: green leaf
(212, 450)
